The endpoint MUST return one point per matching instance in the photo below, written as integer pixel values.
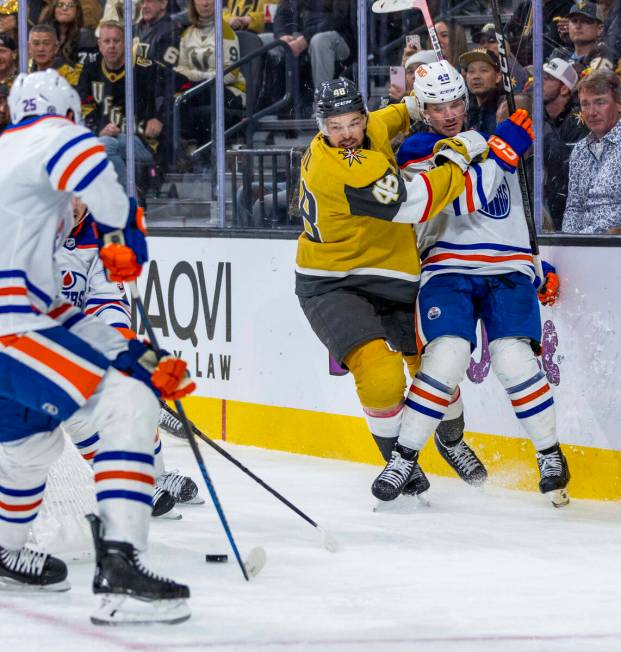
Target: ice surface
(475, 571)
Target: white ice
(477, 570)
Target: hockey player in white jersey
(50, 370)
(476, 264)
(86, 286)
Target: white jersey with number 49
(464, 239)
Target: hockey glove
(123, 251)
(511, 140)
(167, 376)
(548, 291)
(465, 148)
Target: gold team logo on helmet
(351, 155)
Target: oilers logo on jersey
(500, 207)
(74, 287)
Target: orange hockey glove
(172, 379)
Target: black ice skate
(30, 570)
(391, 481)
(170, 424)
(131, 593)
(182, 488)
(554, 475)
(162, 504)
(417, 484)
(458, 455)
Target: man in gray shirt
(594, 194)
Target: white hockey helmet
(437, 83)
(42, 93)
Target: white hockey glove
(464, 149)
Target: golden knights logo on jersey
(352, 156)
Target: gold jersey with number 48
(355, 206)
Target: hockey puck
(218, 559)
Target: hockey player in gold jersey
(356, 275)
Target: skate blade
(197, 500)
(177, 434)
(127, 610)
(403, 504)
(9, 585)
(255, 561)
(559, 497)
(172, 515)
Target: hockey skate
(131, 594)
(27, 570)
(396, 474)
(463, 460)
(412, 496)
(163, 505)
(170, 424)
(554, 475)
(181, 487)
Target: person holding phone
(402, 77)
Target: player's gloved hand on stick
(463, 149)
(548, 291)
(511, 140)
(123, 251)
(167, 376)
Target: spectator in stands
(585, 33)
(102, 92)
(156, 44)
(562, 130)
(482, 74)
(8, 60)
(8, 18)
(75, 42)
(411, 65)
(43, 50)
(5, 115)
(519, 29)
(197, 64)
(323, 28)
(610, 13)
(245, 14)
(486, 38)
(594, 197)
(452, 40)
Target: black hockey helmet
(337, 97)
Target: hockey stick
(327, 540)
(385, 6)
(524, 190)
(256, 558)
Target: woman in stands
(197, 63)
(75, 41)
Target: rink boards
(228, 306)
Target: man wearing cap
(482, 74)
(563, 129)
(585, 32)
(8, 60)
(486, 38)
